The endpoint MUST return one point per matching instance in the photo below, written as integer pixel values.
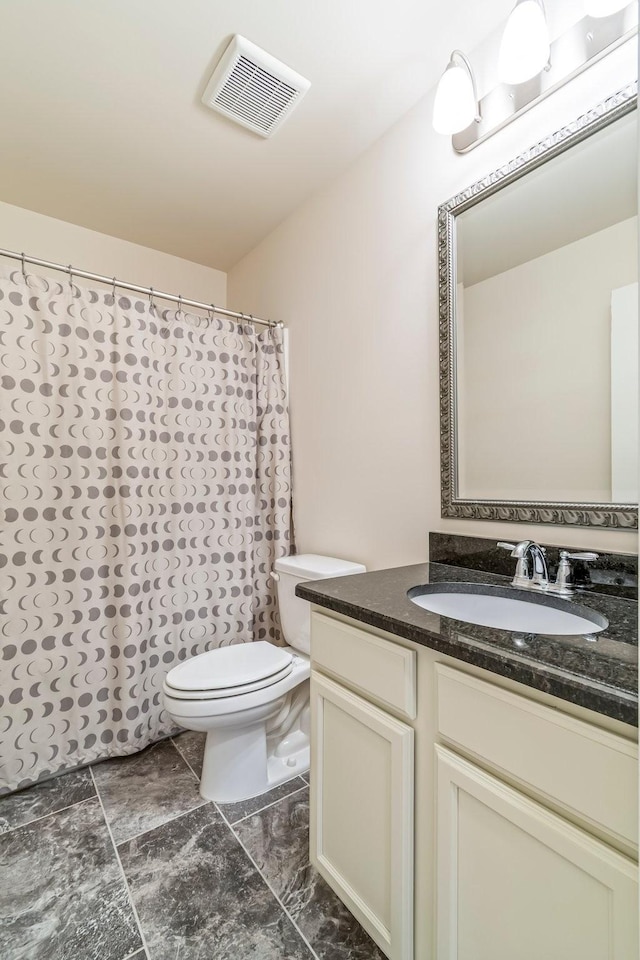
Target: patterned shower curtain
(145, 494)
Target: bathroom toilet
(252, 699)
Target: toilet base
(243, 763)
(231, 782)
(234, 763)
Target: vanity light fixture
(603, 8)
(530, 67)
(525, 46)
(456, 100)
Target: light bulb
(525, 48)
(456, 104)
(603, 8)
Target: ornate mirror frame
(621, 515)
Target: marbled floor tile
(191, 746)
(233, 812)
(62, 895)
(278, 840)
(199, 896)
(333, 932)
(146, 789)
(306, 777)
(18, 809)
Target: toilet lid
(228, 667)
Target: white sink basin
(505, 608)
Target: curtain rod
(148, 291)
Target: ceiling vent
(253, 88)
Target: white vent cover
(253, 88)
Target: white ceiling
(101, 122)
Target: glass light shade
(525, 48)
(603, 8)
(455, 104)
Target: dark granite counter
(601, 675)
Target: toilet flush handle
(274, 576)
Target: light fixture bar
(586, 42)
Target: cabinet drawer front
(586, 770)
(381, 669)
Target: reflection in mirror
(546, 330)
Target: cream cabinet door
(362, 812)
(517, 881)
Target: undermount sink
(505, 608)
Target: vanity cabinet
(530, 825)
(463, 816)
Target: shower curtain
(145, 494)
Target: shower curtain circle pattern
(146, 484)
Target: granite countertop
(601, 675)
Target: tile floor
(126, 861)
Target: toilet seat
(222, 692)
(187, 708)
(229, 671)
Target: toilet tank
(294, 612)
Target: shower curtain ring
(212, 312)
(24, 272)
(179, 303)
(113, 289)
(151, 303)
(70, 271)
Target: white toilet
(252, 699)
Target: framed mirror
(539, 331)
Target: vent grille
(253, 88)
(255, 95)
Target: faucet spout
(540, 570)
(531, 569)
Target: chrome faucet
(532, 572)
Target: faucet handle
(565, 581)
(523, 567)
(587, 557)
(519, 550)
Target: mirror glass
(546, 330)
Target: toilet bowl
(252, 699)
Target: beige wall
(49, 239)
(537, 355)
(353, 273)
